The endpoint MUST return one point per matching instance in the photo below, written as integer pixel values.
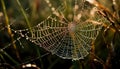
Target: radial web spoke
(65, 49)
(69, 31)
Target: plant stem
(25, 16)
(8, 27)
(39, 55)
(10, 58)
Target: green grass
(19, 15)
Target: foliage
(20, 19)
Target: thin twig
(25, 16)
(8, 28)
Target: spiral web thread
(68, 39)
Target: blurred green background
(27, 52)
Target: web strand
(66, 38)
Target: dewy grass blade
(8, 28)
(25, 16)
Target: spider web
(68, 39)
(68, 36)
